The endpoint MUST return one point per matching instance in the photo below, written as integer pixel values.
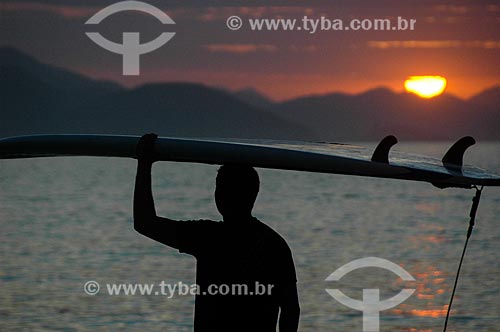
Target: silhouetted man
(235, 254)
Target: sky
(459, 40)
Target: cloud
(303, 49)
(240, 48)
(252, 48)
(204, 14)
(493, 8)
(61, 10)
(209, 14)
(452, 9)
(388, 44)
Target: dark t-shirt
(248, 261)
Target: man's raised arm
(146, 221)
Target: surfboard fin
(454, 157)
(381, 153)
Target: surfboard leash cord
(472, 220)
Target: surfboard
(320, 157)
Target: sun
(426, 86)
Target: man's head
(236, 190)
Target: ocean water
(66, 221)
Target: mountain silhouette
(378, 112)
(37, 98)
(54, 76)
(488, 97)
(254, 98)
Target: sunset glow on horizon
(458, 42)
(425, 86)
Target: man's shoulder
(279, 255)
(205, 223)
(272, 237)
(195, 235)
(202, 221)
